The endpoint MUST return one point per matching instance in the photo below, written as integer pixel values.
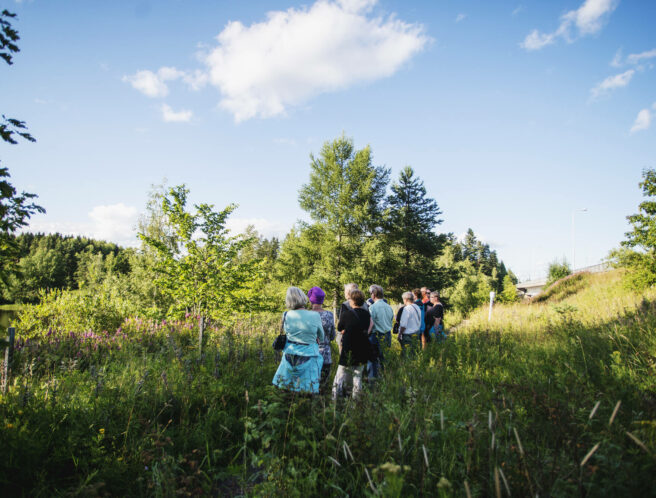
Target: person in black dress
(354, 324)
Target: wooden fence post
(9, 358)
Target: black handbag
(281, 341)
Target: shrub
(557, 271)
(100, 308)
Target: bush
(100, 308)
(557, 271)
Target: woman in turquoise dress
(300, 366)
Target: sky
(529, 122)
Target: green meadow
(552, 398)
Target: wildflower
(101, 430)
(9, 426)
(444, 483)
(20, 412)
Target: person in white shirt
(409, 325)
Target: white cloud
(147, 83)
(115, 223)
(587, 19)
(154, 84)
(643, 120)
(517, 10)
(636, 58)
(460, 17)
(611, 83)
(171, 116)
(294, 55)
(617, 60)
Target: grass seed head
(590, 453)
(615, 410)
(594, 410)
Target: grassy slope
(505, 403)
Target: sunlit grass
(517, 403)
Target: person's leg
(325, 376)
(406, 344)
(383, 345)
(338, 383)
(357, 380)
(416, 343)
(373, 366)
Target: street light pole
(574, 211)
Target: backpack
(422, 324)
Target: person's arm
(439, 314)
(404, 322)
(341, 324)
(319, 328)
(371, 322)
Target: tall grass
(515, 405)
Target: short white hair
(408, 295)
(348, 288)
(295, 298)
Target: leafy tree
(509, 291)
(201, 272)
(153, 223)
(345, 196)
(638, 254)
(412, 218)
(8, 37)
(557, 270)
(15, 208)
(469, 292)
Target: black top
(347, 306)
(355, 341)
(397, 320)
(437, 311)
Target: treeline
(364, 228)
(44, 262)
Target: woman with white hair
(356, 349)
(300, 366)
(410, 324)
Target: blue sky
(515, 114)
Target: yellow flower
(20, 412)
(444, 483)
(9, 426)
(102, 431)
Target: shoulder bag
(281, 341)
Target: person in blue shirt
(316, 295)
(300, 366)
(380, 332)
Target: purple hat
(316, 295)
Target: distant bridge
(532, 288)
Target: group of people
(363, 333)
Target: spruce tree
(410, 224)
(345, 196)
